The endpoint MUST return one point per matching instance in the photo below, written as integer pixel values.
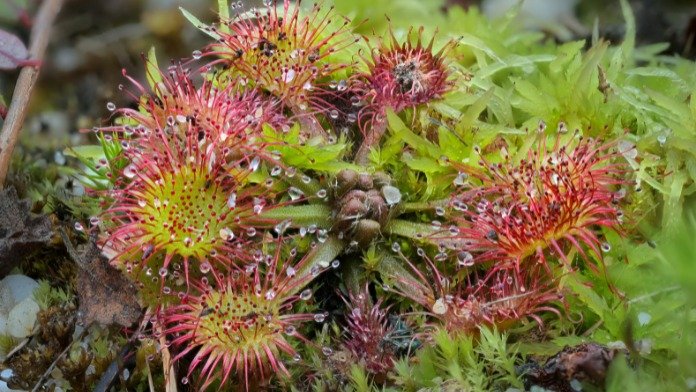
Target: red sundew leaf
(13, 53)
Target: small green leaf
(400, 130)
(153, 74)
(224, 13)
(475, 110)
(585, 294)
(199, 25)
(93, 152)
(629, 42)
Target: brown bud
(345, 180)
(366, 231)
(365, 182)
(377, 207)
(353, 208)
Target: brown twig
(17, 110)
(48, 371)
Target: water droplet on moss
(662, 139)
(306, 294)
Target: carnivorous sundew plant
(305, 207)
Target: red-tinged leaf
(13, 53)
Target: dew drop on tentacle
(306, 294)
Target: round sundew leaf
(12, 51)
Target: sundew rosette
(285, 51)
(179, 98)
(240, 325)
(462, 303)
(398, 76)
(541, 207)
(366, 333)
(184, 195)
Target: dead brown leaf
(21, 232)
(106, 296)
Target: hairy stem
(298, 181)
(321, 256)
(300, 216)
(17, 110)
(372, 138)
(405, 208)
(408, 229)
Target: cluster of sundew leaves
(503, 82)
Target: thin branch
(40, 34)
(48, 371)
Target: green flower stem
(308, 188)
(408, 229)
(321, 256)
(300, 216)
(421, 206)
(393, 271)
(353, 274)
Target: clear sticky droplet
(306, 294)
